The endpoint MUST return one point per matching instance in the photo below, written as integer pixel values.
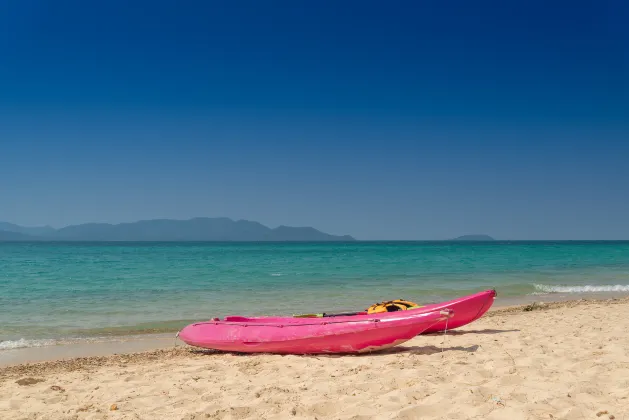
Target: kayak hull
(317, 335)
(466, 309)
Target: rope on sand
(445, 331)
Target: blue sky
(383, 120)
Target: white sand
(569, 360)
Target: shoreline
(149, 343)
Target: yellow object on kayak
(392, 306)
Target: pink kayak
(344, 334)
(466, 309)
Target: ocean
(54, 293)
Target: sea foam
(23, 343)
(545, 288)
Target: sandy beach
(558, 360)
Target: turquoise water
(58, 291)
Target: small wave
(545, 288)
(23, 343)
(276, 274)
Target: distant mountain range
(197, 229)
(31, 231)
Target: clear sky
(379, 119)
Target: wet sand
(89, 348)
